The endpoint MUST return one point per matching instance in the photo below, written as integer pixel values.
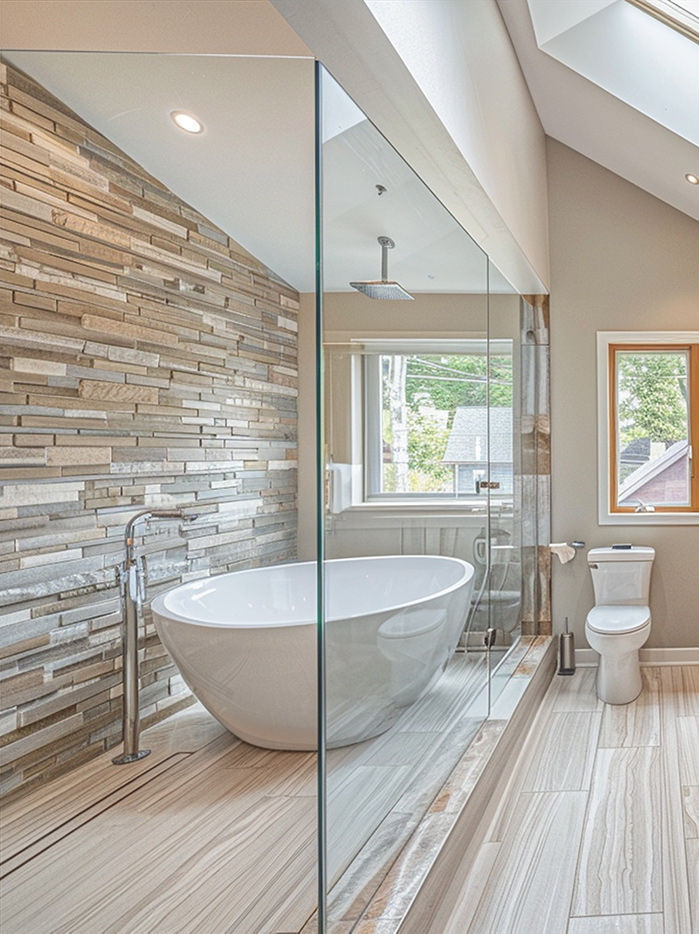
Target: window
(439, 421)
(651, 427)
(682, 15)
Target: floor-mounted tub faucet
(133, 595)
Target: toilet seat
(618, 620)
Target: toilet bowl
(617, 633)
(619, 623)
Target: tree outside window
(421, 395)
(653, 400)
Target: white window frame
(371, 420)
(604, 428)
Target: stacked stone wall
(146, 361)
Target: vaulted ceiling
(571, 54)
(616, 85)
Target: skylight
(682, 15)
(617, 45)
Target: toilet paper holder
(566, 551)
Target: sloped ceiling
(269, 179)
(266, 203)
(251, 171)
(617, 86)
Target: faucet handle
(141, 578)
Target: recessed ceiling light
(186, 121)
(692, 179)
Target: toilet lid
(618, 619)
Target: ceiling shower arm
(386, 245)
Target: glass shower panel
(158, 277)
(406, 512)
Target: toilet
(619, 622)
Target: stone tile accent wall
(536, 466)
(146, 361)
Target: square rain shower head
(382, 288)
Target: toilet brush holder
(566, 652)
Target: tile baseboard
(689, 655)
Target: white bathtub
(245, 643)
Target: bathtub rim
(159, 608)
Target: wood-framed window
(652, 426)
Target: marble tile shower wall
(534, 496)
(146, 361)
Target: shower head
(382, 288)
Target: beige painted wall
(245, 27)
(621, 260)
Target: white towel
(564, 551)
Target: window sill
(396, 513)
(438, 506)
(649, 518)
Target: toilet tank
(621, 576)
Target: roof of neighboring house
(638, 451)
(468, 438)
(650, 470)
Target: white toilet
(619, 623)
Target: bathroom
(246, 510)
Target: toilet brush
(566, 653)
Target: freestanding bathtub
(245, 643)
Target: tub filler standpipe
(133, 595)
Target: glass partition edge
(320, 509)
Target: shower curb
(453, 829)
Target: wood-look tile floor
(598, 832)
(213, 836)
